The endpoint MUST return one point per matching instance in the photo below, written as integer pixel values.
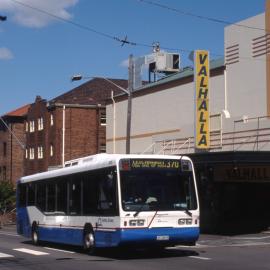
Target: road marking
(10, 234)
(190, 247)
(30, 251)
(201, 245)
(4, 255)
(198, 246)
(246, 244)
(55, 249)
(200, 258)
(251, 238)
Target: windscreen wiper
(188, 212)
(140, 210)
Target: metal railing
(255, 138)
(257, 132)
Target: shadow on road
(127, 253)
(137, 254)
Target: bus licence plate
(163, 237)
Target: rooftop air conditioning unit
(166, 62)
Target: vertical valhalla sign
(201, 77)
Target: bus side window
(22, 195)
(31, 194)
(90, 193)
(61, 203)
(75, 195)
(50, 204)
(41, 196)
(107, 193)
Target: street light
(127, 91)
(79, 77)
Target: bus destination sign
(128, 164)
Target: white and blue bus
(109, 200)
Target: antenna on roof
(156, 47)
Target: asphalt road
(211, 252)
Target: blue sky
(39, 53)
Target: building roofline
(185, 76)
(19, 112)
(97, 88)
(52, 105)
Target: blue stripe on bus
(61, 235)
(74, 236)
(122, 236)
(23, 222)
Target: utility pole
(129, 105)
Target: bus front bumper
(159, 236)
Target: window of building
(52, 120)
(40, 152)
(26, 153)
(40, 123)
(51, 150)
(102, 148)
(4, 149)
(32, 153)
(103, 118)
(26, 126)
(32, 126)
(4, 173)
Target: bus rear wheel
(35, 238)
(89, 241)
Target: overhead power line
(87, 28)
(124, 41)
(198, 16)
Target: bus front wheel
(89, 241)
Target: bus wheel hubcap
(35, 237)
(89, 240)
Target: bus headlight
(136, 222)
(185, 221)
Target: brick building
(69, 126)
(12, 140)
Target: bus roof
(89, 163)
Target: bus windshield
(157, 188)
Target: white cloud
(5, 54)
(124, 63)
(31, 17)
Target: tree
(7, 197)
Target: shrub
(7, 197)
